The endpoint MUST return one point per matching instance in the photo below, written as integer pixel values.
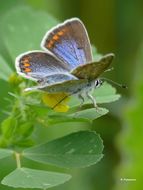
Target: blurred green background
(113, 26)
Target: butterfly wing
(69, 42)
(39, 66)
(69, 87)
(93, 70)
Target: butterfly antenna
(60, 101)
(113, 82)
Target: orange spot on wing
(60, 33)
(56, 37)
(64, 30)
(50, 44)
(25, 60)
(26, 64)
(27, 70)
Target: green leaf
(90, 114)
(78, 149)
(30, 178)
(5, 70)
(25, 143)
(105, 94)
(8, 127)
(76, 115)
(26, 129)
(56, 119)
(5, 153)
(23, 28)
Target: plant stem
(18, 162)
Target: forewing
(69, 42)
(38, 65)
(93, 70)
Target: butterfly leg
(92, 99)
(82, 100)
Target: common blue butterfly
(66, 64)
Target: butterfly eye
(98, 83)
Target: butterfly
(66, 63)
